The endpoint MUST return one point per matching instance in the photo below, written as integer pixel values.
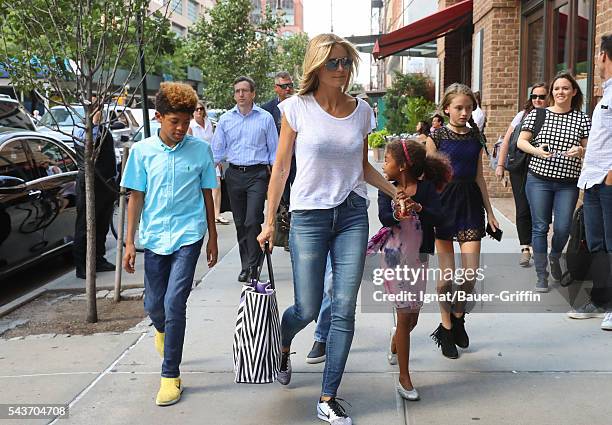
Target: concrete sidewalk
(526, 369)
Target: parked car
(13, 115)
(68, 120)
(154, 126)
(37, 198)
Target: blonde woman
(328, 204)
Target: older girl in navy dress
(464, 201)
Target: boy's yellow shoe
(159, 343)
(170, 391)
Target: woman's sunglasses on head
(537, 96)
(285, 86)
(333, 64)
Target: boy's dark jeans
(168, 281)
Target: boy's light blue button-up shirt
(172, 180)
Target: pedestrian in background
(538, 98)
(423, 130)
(170, 175)
(247, 138)
(328, 129)
(554, 168)
(283, 87)
(596, 180)
(437, 121)
(478, 114)
(202, 128)
(105, 192)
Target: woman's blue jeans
(324, 320)
(547, 197)
(343, 233)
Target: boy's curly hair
(175, 97)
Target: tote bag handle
(266, 255)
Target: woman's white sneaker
(331, 411)
(606, 323)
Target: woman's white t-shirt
(328, 152)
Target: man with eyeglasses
(283, 87)
(247, 138)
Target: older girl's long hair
(317, 53)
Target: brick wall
(449, 64)
(500, 22)
(603, 25)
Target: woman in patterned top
(554, 169)
(464, 202)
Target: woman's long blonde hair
(317, 53)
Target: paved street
(522, 369)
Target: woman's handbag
(257, 337)
(283, 223)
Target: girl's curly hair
(435, 168)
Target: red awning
(424, 30)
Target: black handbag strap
(268, 257)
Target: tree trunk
(90, 208)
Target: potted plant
(377, 142)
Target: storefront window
(535, 52)
(583, 46)
(562, 38)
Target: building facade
(293, 13)
(182, 13)
(511, 45)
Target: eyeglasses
(285, 86)
(537, 96)
(199, 109)
(332, 64)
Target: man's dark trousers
(247, 187)
(105, 199)
(598, 228)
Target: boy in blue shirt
(170, 175)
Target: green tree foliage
(290, 54)
(77, 47)
(417, 109)
(404, 87)
(226, 45)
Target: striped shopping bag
(257, 343)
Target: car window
(49, 158)
(62, 117)
(13, 115)
(133, 121)
(15, 163)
